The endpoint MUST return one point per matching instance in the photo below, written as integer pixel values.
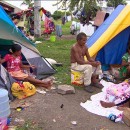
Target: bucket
(52, 38)
(5, 113)
(4, 108)
(3, 95)
(4, 105)
(76, 77)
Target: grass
(59, 51)
(28, 126)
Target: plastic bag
(22, 90)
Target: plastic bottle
(112, 117)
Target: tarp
(111, 38)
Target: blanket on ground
(93, 105)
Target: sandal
(97, 85)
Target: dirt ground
(53, 111)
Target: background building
(9, 8)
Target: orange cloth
(20, 75)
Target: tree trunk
(37, 18)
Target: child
(125, 69)
(15, 67)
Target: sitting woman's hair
(15, 48)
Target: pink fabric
(13, 63)
(118, 93)
(47, 20)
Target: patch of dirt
(67, 37)
(53, 111)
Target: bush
(57, 15)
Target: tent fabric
(112, 27)
(6, 81)
(10, 34)
(112, 52)
(40, 63)
(9, 31)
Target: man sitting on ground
(90, 68)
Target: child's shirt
(123, 70)
(13, 63)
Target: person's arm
(27, 66)
(88, 56)
(2, 60)
(124, 63)
(91, 60)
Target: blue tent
(110, 40)
(9, 31)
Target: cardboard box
(126, 116)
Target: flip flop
(97, 85)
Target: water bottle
(112, 117)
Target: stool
(76, 77)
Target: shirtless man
(90, 68)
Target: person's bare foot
(107, 104)
(48, 84)
(121, 108)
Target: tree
(89, 7)
(58, 14)
(28, 2)
(115, 3)
(37, 20)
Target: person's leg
(124, 103)
(107, 104)
(128, 72)
(39, 82)
(95, 77)
(98, 70)
(88, 78)
(87, 70)
(96, 82)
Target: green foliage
(90, 6)
(30, 3)
(59, 51)
(59, 14)
(115, 3)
